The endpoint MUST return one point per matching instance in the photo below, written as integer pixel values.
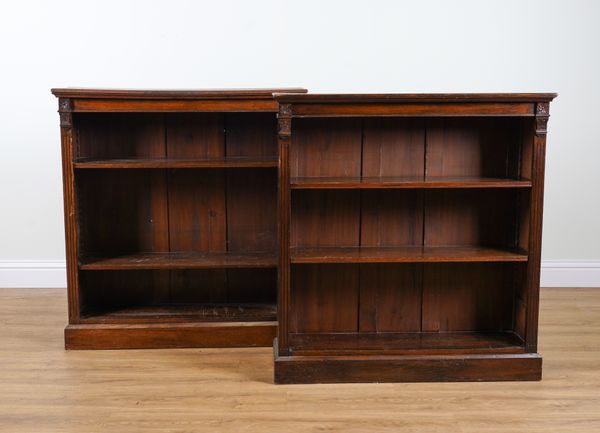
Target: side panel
(535, 232)
(70, 206)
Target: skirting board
(34, 274)
(570, 273)
(52, 274)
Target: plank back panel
(470, 217)
(197, 286)
(130, 135)
(326, 147)
(251, 210)
(195, 135)
(393, 147)
(123, 211)
(197, 205)
(251, 134)
(467, 297)
(391, 218)
(324, 298)
(197, 214)
(479, 147)
(325, 218)
(197, 211)
(390, 298)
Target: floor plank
(46, 389)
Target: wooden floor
(46, 389)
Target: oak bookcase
(170, 217)
(410, 237)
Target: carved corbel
(65, 110)
(284, 120)
(542, 113)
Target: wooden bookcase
(170, 217)
(410, 236)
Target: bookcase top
(413, 97)
(80, 92)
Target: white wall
(326, 46)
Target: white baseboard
(52, 273)
(35, 274)
(570, 273)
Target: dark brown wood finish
(284, 124)
(171, 335)
(193, 259)
(170, 217)
(397, 342)
(385, 285)
(542, 112)
(171, 94)
(410, 254)
(225, 162)
(406, 368)
(408, 98)
(409, 182)
(67, 134)
(409, 237)
(137, 100)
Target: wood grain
(82, 92)
(450, 109)
(391, 218)
(122, 211)
(45, 389)
(167, 206)
(197, 213)
(251, 135)
(122, 136)
(404, 182)
(180, 260)
(70, 205)
(83, 105)
(474, 147)
(412, 97)
(470, 217)
(325, 218)
(324, 298)
(467, 297)
(407, 254)
(172, 335)
(228, 162)
(175, 313)
(326, 148)
(390, 298)
(393, 147)
(405, 343)
(252, 211)
(432, 212)
(404, 368)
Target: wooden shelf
(180, 261)
(397, 343)
(405, 255)
(230, 312)
(392, 182)
(229, 162)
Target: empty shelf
(180, 261)
(230, 312)
(405, 343)
(405, 255)
(228, 162)
(405, 182)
